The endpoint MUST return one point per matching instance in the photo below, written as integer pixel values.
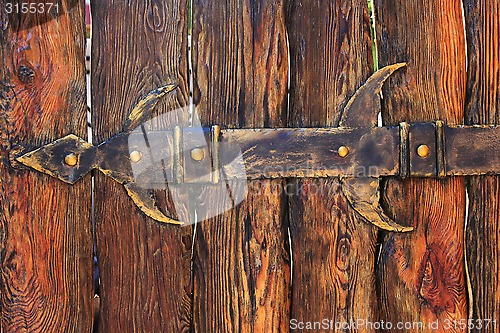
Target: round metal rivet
(423, 151)
(71, 160)
(343, 151)
(135, 156)
(197, 154)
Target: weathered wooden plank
(483, 252)
(45, 225)
(241, 266)
(421, 274)
(482, 107)
(333, 248)
(145, 267)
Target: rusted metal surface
(434, 150)
(357, 151)
(472, 150)
(143, 110)
(364, 106)
(146, 202)
(313, 152)
(260, 66)
(363, 193)
(423, 135)
(284, 153)
(50, 159)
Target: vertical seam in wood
(468, 281)
(286, 181)
(194, 228)
(373, 34)
(403, 166)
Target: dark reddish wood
(333, 247)
(145, 267)
(483, 254)
(483, 107)
(421, 274)
(330, 50)
(241, 266)
(333, 255)
(45, 225)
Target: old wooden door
(293, 256)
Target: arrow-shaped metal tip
(68, 159)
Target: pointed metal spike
(147, 205)
(363, 196)
(68, 159)
(364, 106)
(143, 110)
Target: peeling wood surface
(333, 248)
(242, 265)
(421, 274)
(145, 267)
(45, 229)
(483, 107)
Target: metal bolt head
(423, 151)
(135, 156)
(343, 151)
(197, 154)
(71, 160)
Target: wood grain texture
(145, 267)
(330, 51)
(482, 107)
(45, 225)
(421, 274)
(241, 265)
(333, 248)
(483, 251)
(334, 253)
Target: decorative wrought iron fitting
(358, 152)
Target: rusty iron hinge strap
(278, 153)
(357, 152)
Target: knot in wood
(26, 74)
